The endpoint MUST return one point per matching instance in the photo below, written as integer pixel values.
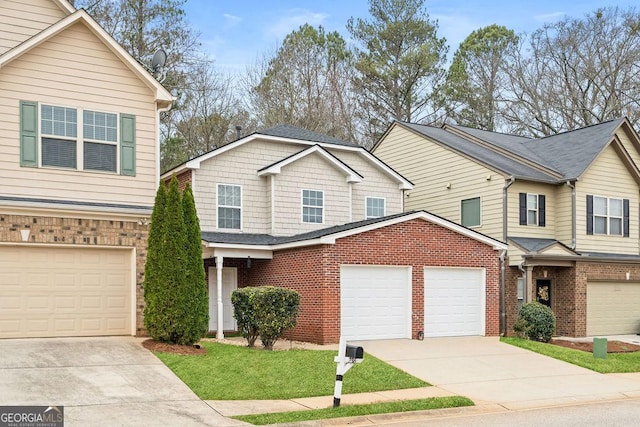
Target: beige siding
(563, 220)
(376, 183)
(240, 166)
(629, 146)
(22, 19)
(607, 177)
(431, 168)
(513, 207)
(74, 69)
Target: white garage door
(375, 302)
(454, 302)
(613, 308)
(56, 292)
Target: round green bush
(535, 322)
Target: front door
(543, 291)
(229, 284)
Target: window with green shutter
(28, 134)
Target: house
(293, 208)
(79, 159)
(567, 205)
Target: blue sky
(236, 32)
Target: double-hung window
(375, 207)
(229, 206)
(74, 138)
(607, 215)
(312, 206)
(532, 209)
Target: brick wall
(78, 232)
(315, 272)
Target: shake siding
(310, 173)
(431, 167)
(607, 176)
(376, 183)
(513, 205)
(58, 73)
(22, 19)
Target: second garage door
(375, 302)
(454, 301)
(58, 292)
(613, 308)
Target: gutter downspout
(503, 296)
(573, 214)
(503, 253)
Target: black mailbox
(354, 352)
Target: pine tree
(195, 290)
(152, 273)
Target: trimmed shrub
(535, 322)
(265, 311)
(244, 313)
(276, 311)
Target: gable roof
(554, 159)
(293, 135)
(536, 245)
(162, 96)
(275, 168)
(331, 234)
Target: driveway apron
(100, 382)
(491, 372)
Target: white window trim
(608, 216)
(302, 206)
(479, 201)
(225, 206)
(79, 139)
(536, 210)
(366, 204)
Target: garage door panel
(48, 292)
(375, 302)
(454, 301)
(613, 308)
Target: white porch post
(220, 331)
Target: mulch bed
(612, 346)
(164, 347)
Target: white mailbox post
(348, 355)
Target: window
(79, 139)
(375, 207)
(607, 216)
(229, 206)
(532, 209)
(312, 206)
(470, 212)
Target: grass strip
(357, 410)
(614, 363)
(229, 372)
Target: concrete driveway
(100, 382)
(490, 372)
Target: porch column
(220, 331)
(528, 284)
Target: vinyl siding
(430, 167)
(74, 69)
(240, 166)
(563, 221)
(608, 177)
(629, 146)
(22, 19)
(513, 206)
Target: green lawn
(615, 362)
(357, 410)
(229, 372)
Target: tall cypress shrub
(195, 291)
(152, 274)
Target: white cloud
(549, 17)
(231, 21)
(293, 20)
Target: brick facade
(568, 291)
(78, 232)
(315, 272)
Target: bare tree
(575, 73)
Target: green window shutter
(127, 144)
(28, 134)
(470, 212)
